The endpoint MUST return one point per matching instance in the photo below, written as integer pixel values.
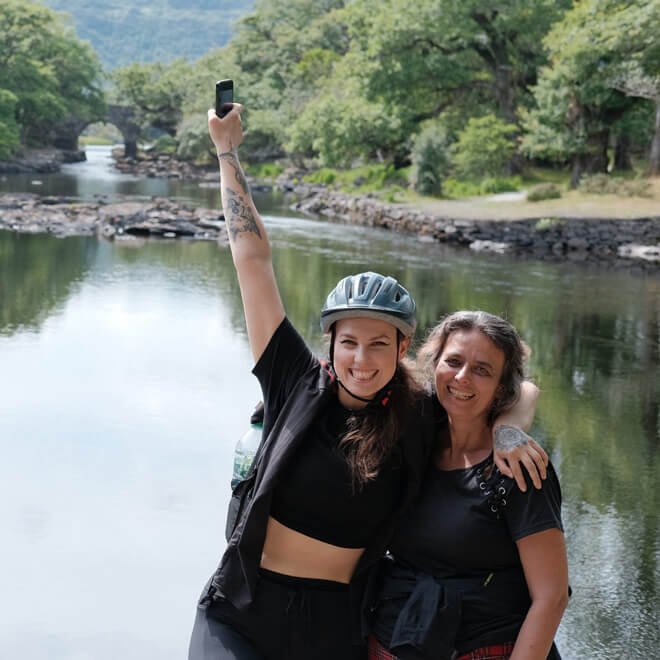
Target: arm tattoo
(239, 216)
(232, 159)
(506, 438)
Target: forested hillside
(123, 31)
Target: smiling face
(468, 373)
(365, 357)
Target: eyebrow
(348, 335)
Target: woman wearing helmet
(343, 451)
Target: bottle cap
(257, 417)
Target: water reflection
(37, 275)
(125, 382)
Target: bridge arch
(67, 132)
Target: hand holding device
(224, 97)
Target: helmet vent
(370, 295)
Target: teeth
(460, 395)
(362, 375)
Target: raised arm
(513, 447)
(248, 239)
(543, 556)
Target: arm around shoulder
(513, 447)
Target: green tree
(430, 159)
(51, 73)
(484, 147)
(9, 129)
(578, 97)
(155, 91)
(279, 59)
(406, 62)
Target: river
(126, 382)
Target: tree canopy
(46, 75)
(344, 81)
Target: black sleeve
(536, 509)
(285, 359)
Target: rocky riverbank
(127, 219)
(621, 242)
(159, 165)
(40, 161)
(546, 236)
(555, 238)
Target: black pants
(290, 619)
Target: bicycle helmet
(370, 295)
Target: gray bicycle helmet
(370, 295)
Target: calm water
(125, 382)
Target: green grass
(265, 170)
(384, 182)
(381, 180)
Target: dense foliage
(341, 82)
(46, 75)
(603, 76)
(462, 91)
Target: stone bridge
(66, 133)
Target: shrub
(325, 176)
(544, 224)
(375, 177)
(484, 147)
(166, 144)
(194, 141)
(430, 159)
(393, 194)
(603, 184)
(637, 188)
(543, 191)
(494, 185)
(265, 170)
(598, 184)
(455, 188)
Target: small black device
(224, 97)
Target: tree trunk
(505, 93)
(576, 170)
(654, 156)
(622, 160)
(596, 160)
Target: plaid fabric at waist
(495, 652)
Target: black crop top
(316, 496)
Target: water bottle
(247, 446)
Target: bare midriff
(292, 553)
